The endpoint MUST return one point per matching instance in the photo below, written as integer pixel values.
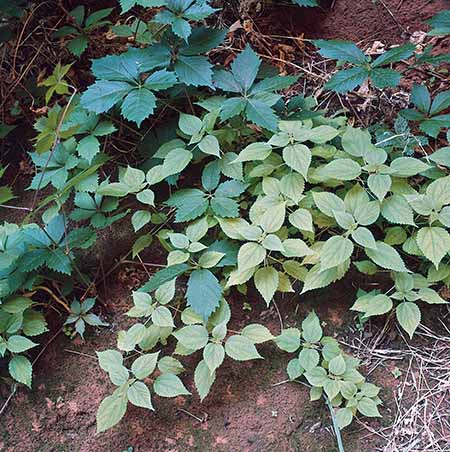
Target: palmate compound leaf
(203, 292)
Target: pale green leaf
(241, 348)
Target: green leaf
(140, 218)
(103, 95)
(160, 80)
(245, 68)
(289, 340)
(88, 147)
(373, 304)
(194, 70)
(257, 333)
(189, 124)
(261, 114)
(317, 376)
(294, 369)
(127, 340)
(379, 184)
(170, 365)
(250, 255)
(340, 169)
(362, 236)
(395, 54)
(111, 410)
(440, 103)
(240, 348)
(138, 105)
(341, 50)
(111, 361)
(266, 281)
(213, 354)
(430, 296)
(368, 407)
(254, 151)
(302, 220)
(408, 315)
(203, 379)
(328, 203)
(356, 142)
(384, 78)
(335, 251)
(146, 196)
(408, 166)
(346, 80)
(139, 395)
(434, 242)
(144, 365)
(441, 156)
(386, 256)
(308, 358)
(298, 157)
(169, 385)
(203, 292)
(331, 388)
(164, 276)
(344, 417)
(440, 24)
(19, 344)
(210, 259)
(311, 329)
(162, 317)
(78, 45)
(210, 145)
(337, 365)
(193, 337)
(20, 369)
(420, 97)
(225, 207)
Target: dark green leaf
(347, 79)
(341, 50)
(163, 276)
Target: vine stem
(58, 300)
(337, 430)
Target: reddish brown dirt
(358, 20)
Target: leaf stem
(337, 430)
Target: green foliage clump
(288, 199)
(82, 25)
